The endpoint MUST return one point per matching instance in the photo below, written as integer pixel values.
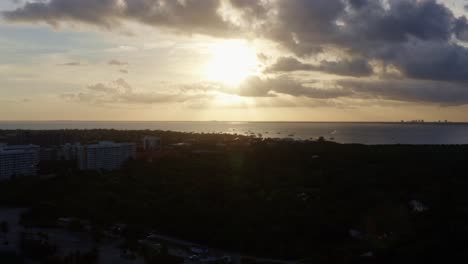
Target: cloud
(355, 67)
(413, 36)
(304, 26)
(54, 12)
(461, 29)
(429, 60)
(421, 39)
(73, 63)
(122, 48)
(270, 87)
(392, 32)
(400, 21)
(117, 63)
(406, 90)
(121, 92)
(252, 13)
(283, 92)
(123, 71)
(252, 8)
(102, 88)
(289, 64)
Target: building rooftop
(108, 143)
(16, 149)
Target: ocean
(363, 133)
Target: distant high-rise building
(151, 143)
(105, 155)
(18, 160)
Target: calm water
(366, 133)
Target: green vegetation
(11, 258)
(277, 199)
(162, 256)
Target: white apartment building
(151, 143)
(18, 160)
(105, 155)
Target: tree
(4, 228)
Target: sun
(231, 62)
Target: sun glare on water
(232, 62)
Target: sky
(242, 60)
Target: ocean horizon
(371, 133)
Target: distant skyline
(265, 60)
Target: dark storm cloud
(358, 3)
(442, 93)
(190, 16)
(461, 29)
(431, 60)
(415, 36)
(403, 19)
(356, 67)
(305, 26)
(101, 13)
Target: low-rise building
(105, 155)
(151, 143)
(18, 160)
